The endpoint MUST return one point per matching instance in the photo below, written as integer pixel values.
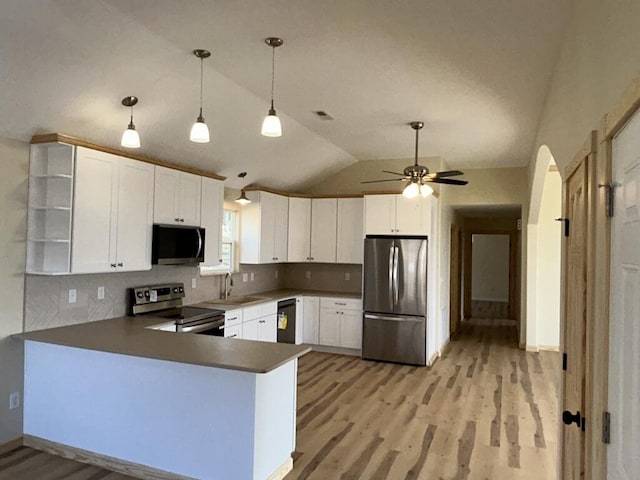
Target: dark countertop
(275, 295)
(128, 336)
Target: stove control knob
(147, 294)
(139, 294)
(181, 289)
(175, 289)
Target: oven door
(208, 326)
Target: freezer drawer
(394, 338)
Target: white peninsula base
(189, 420)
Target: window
(229, 247)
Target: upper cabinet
(264, 228)
(177, 197)
(397, 215)
(212, 202)
(350, 231)
(299, 243)
(113, 213)
(324, 212)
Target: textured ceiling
(475, 72)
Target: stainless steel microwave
(177, 245)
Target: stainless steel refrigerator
(395, 299)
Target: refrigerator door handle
(395, 276)
(391, 275)
(369, 316)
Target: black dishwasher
(287, 321)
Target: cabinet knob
(234, 335)
(121, 264)
(182, 220)
(176, 219)
(113, 265)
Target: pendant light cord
(416, 159)
(273, 72)
(131, 125)
(201, 82)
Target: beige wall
(490, 268)
(491, 186)
(14, 160)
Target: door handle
(568, 418)
(395, 276)
(391, 264)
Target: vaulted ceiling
(476, 72)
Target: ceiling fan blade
(446, 181)
(388, 180)
(393, 173)
(448, 173)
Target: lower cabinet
(233, 332)
(310, 317)
(267, 328)
(258, 322)
(340, 322)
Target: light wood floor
(486, 410)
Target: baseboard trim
(283, 470)
(549, 348)
(532, 348)
(337, 350)
(11, 445)
(103, 461)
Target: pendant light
(412, 189)
(199, 130)
(425, 190)
(242, 199)
(271, 126)
(130, 137)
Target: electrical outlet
(193, 283)
(14, 400)
(100, 293)
(245, 277)
(347, 276)
(73, 295)
(308, 274)
(252, 276)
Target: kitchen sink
(238, 300)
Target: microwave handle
(199, 243)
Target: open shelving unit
(50, 208)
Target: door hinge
(565, 221)
(564, 362)
(610, 196)
(606, 427)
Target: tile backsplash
(47, 297)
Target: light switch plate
(193, 283)
(73, 295)
(14, 400)
(347, 276)
(245, 277)
(308, 274)
(253, 277)
(100, 293)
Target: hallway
(486, 410)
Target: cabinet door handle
(113, 265)
(176, 219)
(233, 318)
(182, 220)
(340, 303)
(234, 335)
(261, 321)
(121, 264)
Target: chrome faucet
(228, 283)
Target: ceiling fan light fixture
(130, 137)
(271, 126)
(199, 130)
(425, 190)
(411, 190)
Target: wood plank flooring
(486, 410)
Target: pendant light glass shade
(411, 190)
(130, 137)
(242, 199)
(271, 126)
(425, 190)
(199, 130)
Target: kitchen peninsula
(159, 403)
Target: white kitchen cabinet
(264, 228)
(233, 332)
(397, 215)
(299, 243)
(51, 174)
(341, 322)
(350, 233)
(259, 322)
(113, 213)
(212, 200)
(250, 329)
(324, 213)
(310, 317)
(177, 197)
(268, 328)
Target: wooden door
(455, 281)
(324, 213)
(624, 307)
(574, 326)
(135, 215)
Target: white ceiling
(476, 72)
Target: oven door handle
(203, 326)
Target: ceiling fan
(419, 176)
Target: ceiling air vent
(322, 115)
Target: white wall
(14, 159)
(549, 238)
(490, 268)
